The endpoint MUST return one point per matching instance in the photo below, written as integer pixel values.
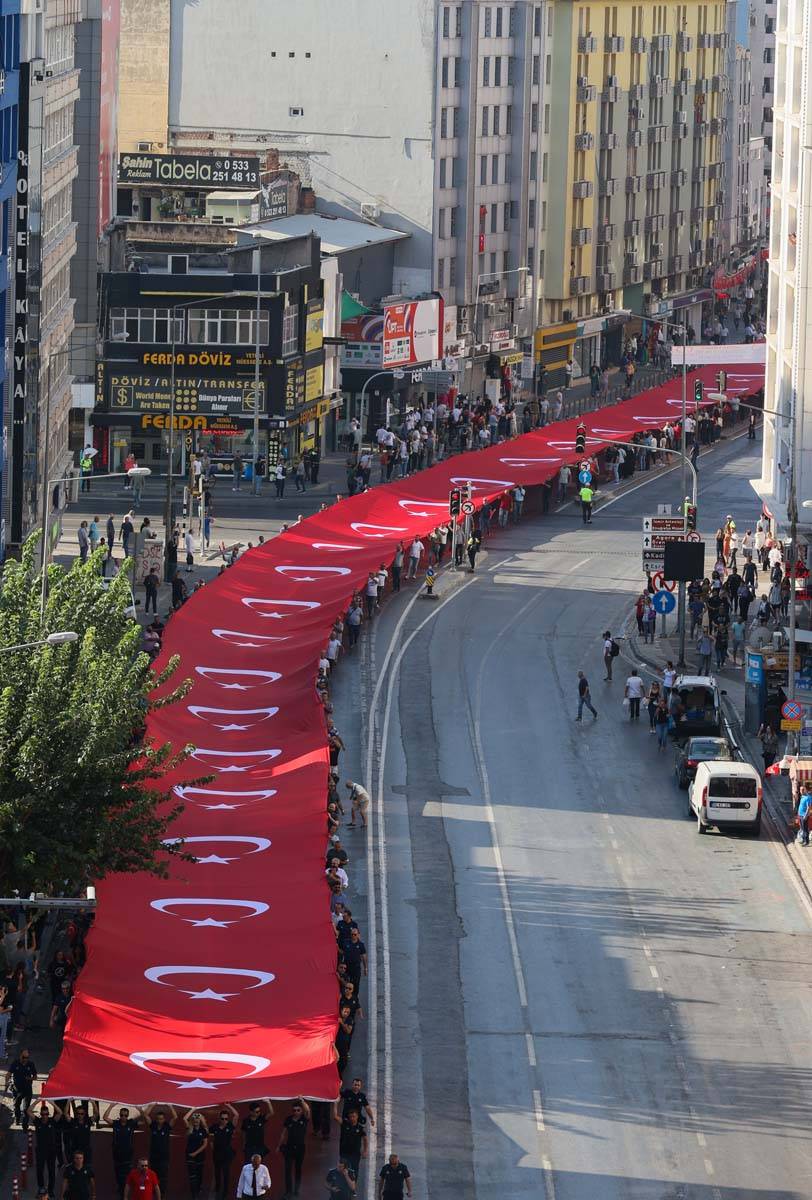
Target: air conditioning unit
(681, 118)
(583, 81)
(370, 212)
(144, 147)
(566, 314)
(612, 81)
(656, 79)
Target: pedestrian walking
(669, 678)
(397, 567)
(649, 621)
(292, 1144)
(126, 534)
(634, 692)
(769, 744)
(662, 721)
(804, 806)
(340, 1182)
(253, 1130)
(84, 541)
(78, 1181)
(392, 1179)
(472, 547)
(121, 1143)
(142, 1183)
(705, 649)
(255, 1179)
(652, 701)
(279, 480)
(299, 474)
(237, 470)
(610, 651)
(359, 798)
(584, 697)
(93, 534)
(110, 529)
(21, 1073)
(586, 494)
(355, 615)
(415, 551)
(189, 547)
(197, 1139)
(352, 1144)
(161, 1122)
(564, 476)
(46, 1136)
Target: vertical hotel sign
(20, 347)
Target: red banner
(218, 983)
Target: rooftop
(337, 234)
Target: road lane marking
(700, 1137)
(531, 1049)
(655, 974)
(539, 1110)
(709, 1167)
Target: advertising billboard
(188, 170)
(274, 199)
(108, 111)
(412, 332)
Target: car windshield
(707, 748)
(698, 701)
(732, 787)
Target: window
(483, 169)
(498, 22)
(534, 164)
(531, 214)
(486, 71)
(493, 263)
(541, 262)
(441, 272)
(487, 32)
(544, 168)
(496, 122)
(458, 22)
(453, 222)
(455, 172)
(485, 115)
(530, 257)
(145, 325)
(452, 272)
(507, 213)
(59, 49)
(494, 217)
(511, 22)
(226, 327)
(510, 71)
(443, 180)
(446, 21)
(441, 223)
(494, 168)
(497, 71)
(455, 122)
(444, 72)
(537, 21)
(290, 330)
(509, 116)
(536, 70)
(507, 169)
(546, 118)
(443, 122)
(534, 118)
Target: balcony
(716, 170)
(679, 177)
(585, 93)
(697, 213)
(578, 285)
(581, 236)
(699, 174)
(702, 87)
(685, 43)
(678, 218)
(655, 180)
(609, 141)
(607, 187)
(682, 88)
(654, 223)
(675, 264)
(647, 271)
(696, 259)
(657, 133)
(701, 129)
(634, 183)
(630, 259)
(614, 45)
(639, 45)
(705, 41)
(718, 83)
(680, 126)
(659, 87)
(635, 137)
(661, 41)
(686, 75)
(714, 212)
(606, 281)
(587, 44)
(718, 125)
(582, 188)
(584, 141)
(611, 95)
(657, 268)
(631, 227)
(606, 234)
(720, 40)
(655, 251)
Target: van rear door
(732, 798)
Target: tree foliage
(81, 791)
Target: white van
(726, 795)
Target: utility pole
(255, 479)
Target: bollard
(431, 579)
(24, 1168)
(15, 1188)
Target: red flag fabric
(218, 983)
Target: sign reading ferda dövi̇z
(188, 170)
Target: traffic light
(454, 502)
(580, 439)
(697, 391)
(690, 516)
(721, 381)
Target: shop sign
(205, 422)
(216, 359)
(412, 332)
(314, 326)
(273, 199)
(511, 359)
(361, 354)
(313, 412)
(274, 450)
(188, 170)
(314, 383)
(152, 393)
(19, 385)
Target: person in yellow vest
(586, 494)
(86, 469)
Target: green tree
(81, 789)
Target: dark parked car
(697, 750)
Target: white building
(762, 18)
(789, 315)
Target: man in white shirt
(635, 690)
(415, 551)
(607, 655)
(254, 1180)
(564, 476)
(544, 408)
(333, 650)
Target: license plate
(729, 804)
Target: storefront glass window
(226, 327)
(290, 330)
(144, 325)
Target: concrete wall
(360, 71)
(144, 74)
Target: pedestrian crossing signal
(580, 439)
(454, 502)
(690, 516)
(698, 391)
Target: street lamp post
(53, 639)
(396, 373)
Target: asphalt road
(578, 998)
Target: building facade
(9, 149)
(787, 448)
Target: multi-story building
(738, 221)
(634, 166)
(9, 147)
(787, 446)
(761, 35)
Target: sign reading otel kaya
(181, 170)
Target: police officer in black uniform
(292, 1145)
(22, 1073)
(123, 1133)
(223, 1152)
(47, 1136)
(160, 1132)
(253, 1130)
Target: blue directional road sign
(664, 602)
(584, 477)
